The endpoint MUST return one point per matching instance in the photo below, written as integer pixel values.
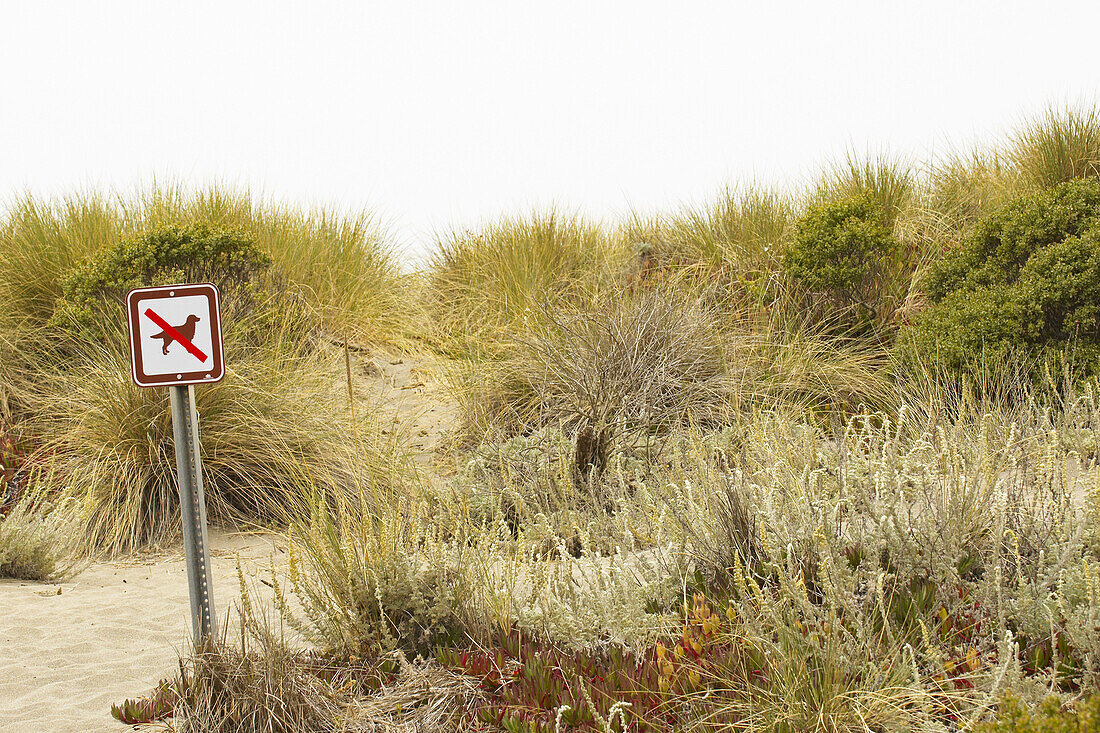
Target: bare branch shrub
(633, 365)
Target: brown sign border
(204, 376)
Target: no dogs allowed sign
(175, 335)
(176, 342)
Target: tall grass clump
(638, 362)
(485, 286)
(644, 361)
(343, 264)
(262, 679)
(742, 232)
(276, 419)
(791, 356)
(1060, 145)
(41, 241)
(889, 182)
(963, 189)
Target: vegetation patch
(715, 470)
(842, 250)
(1024, 284)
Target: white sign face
(175, 335)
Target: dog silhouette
(187, 330)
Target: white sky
(442, 114)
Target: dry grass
(39, 542)
(641, 362)
(488, 285)
(422, 698)
(261, 685)
(343, 264)
(1060, 145)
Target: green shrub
(1026, 283)
(840, 249)
(163, 255)
(1014, 717)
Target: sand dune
(113, 632)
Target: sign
(175, 335)
(176, 342)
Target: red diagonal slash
(176, 335)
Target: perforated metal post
(185, 432)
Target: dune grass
(743, 231)
(488, 285)
(966, 187)
(1061, 144)
(277, 417)
(344, 265)
(41, 241)
(278, 414)
(889, 181)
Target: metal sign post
(185, 434)
(176, 342)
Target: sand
(69, 651)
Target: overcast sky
(444, 114)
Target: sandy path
(113, 632)
(408, 399)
